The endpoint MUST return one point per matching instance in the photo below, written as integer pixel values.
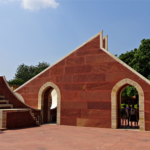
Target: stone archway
(41, 95)
(114, 98)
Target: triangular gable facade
(88, 82)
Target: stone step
(37, 122)
(4, 101)
(2, 97)
(2, 129)
(5, 106)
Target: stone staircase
(37, 120)
(4, 104)
(14, 113)
(5, 108)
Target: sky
(33, 31)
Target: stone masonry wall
(86, 78)
(19, 120)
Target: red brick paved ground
(53, 137)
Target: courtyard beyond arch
(114, 99)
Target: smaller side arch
(114, 93)
(41, 94)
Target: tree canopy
(139, 60)
(25, 73)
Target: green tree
(139, 60)
(128, 57)
(129, 91)
(15, 82)
(25, 73)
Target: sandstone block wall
(85, 79)
(19, 120)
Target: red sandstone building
(88, 82)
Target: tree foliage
(129, 91)
(139, 60)
(25, 73)
(16, 82)
(128, 57)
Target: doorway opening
(49, 106)
(45, 102)
(128, 117)
(53, 107)
(116, 103)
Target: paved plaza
(55, 137)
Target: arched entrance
(115, 102)
(45, 101)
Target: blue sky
(33, 31)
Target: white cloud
(34, 5)
(38, 4)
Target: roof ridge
(117, 59)
(102, 48)
(125, 65)
(100, 33)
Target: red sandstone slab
(145, 86)
(99, 105)
(63, 79)
(32, 102)
(104, 123)
(71, 113)
(95, 43)
(147, 105)
(122, 75)
(53, 78)
(108, 67)
(117, 76)
(37, 82)
(70, 96)
(69, 121)
(20, 91)
(44, 74)
(99, 59)
(30, 96)
(95, 114)
(75, 61)
(89, 78)
(101, 86)
(147, 96)
(61, 63)
(78, 69)
(147, 125)
(57, 71)
(147, 116)
(73, 87)
(19, 120)
(73, 105)
(95, 95)
(31, 90)
(90, 52)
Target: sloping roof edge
(100, 33)
(101, 47)
(125, 65)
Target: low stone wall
(16, 118)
